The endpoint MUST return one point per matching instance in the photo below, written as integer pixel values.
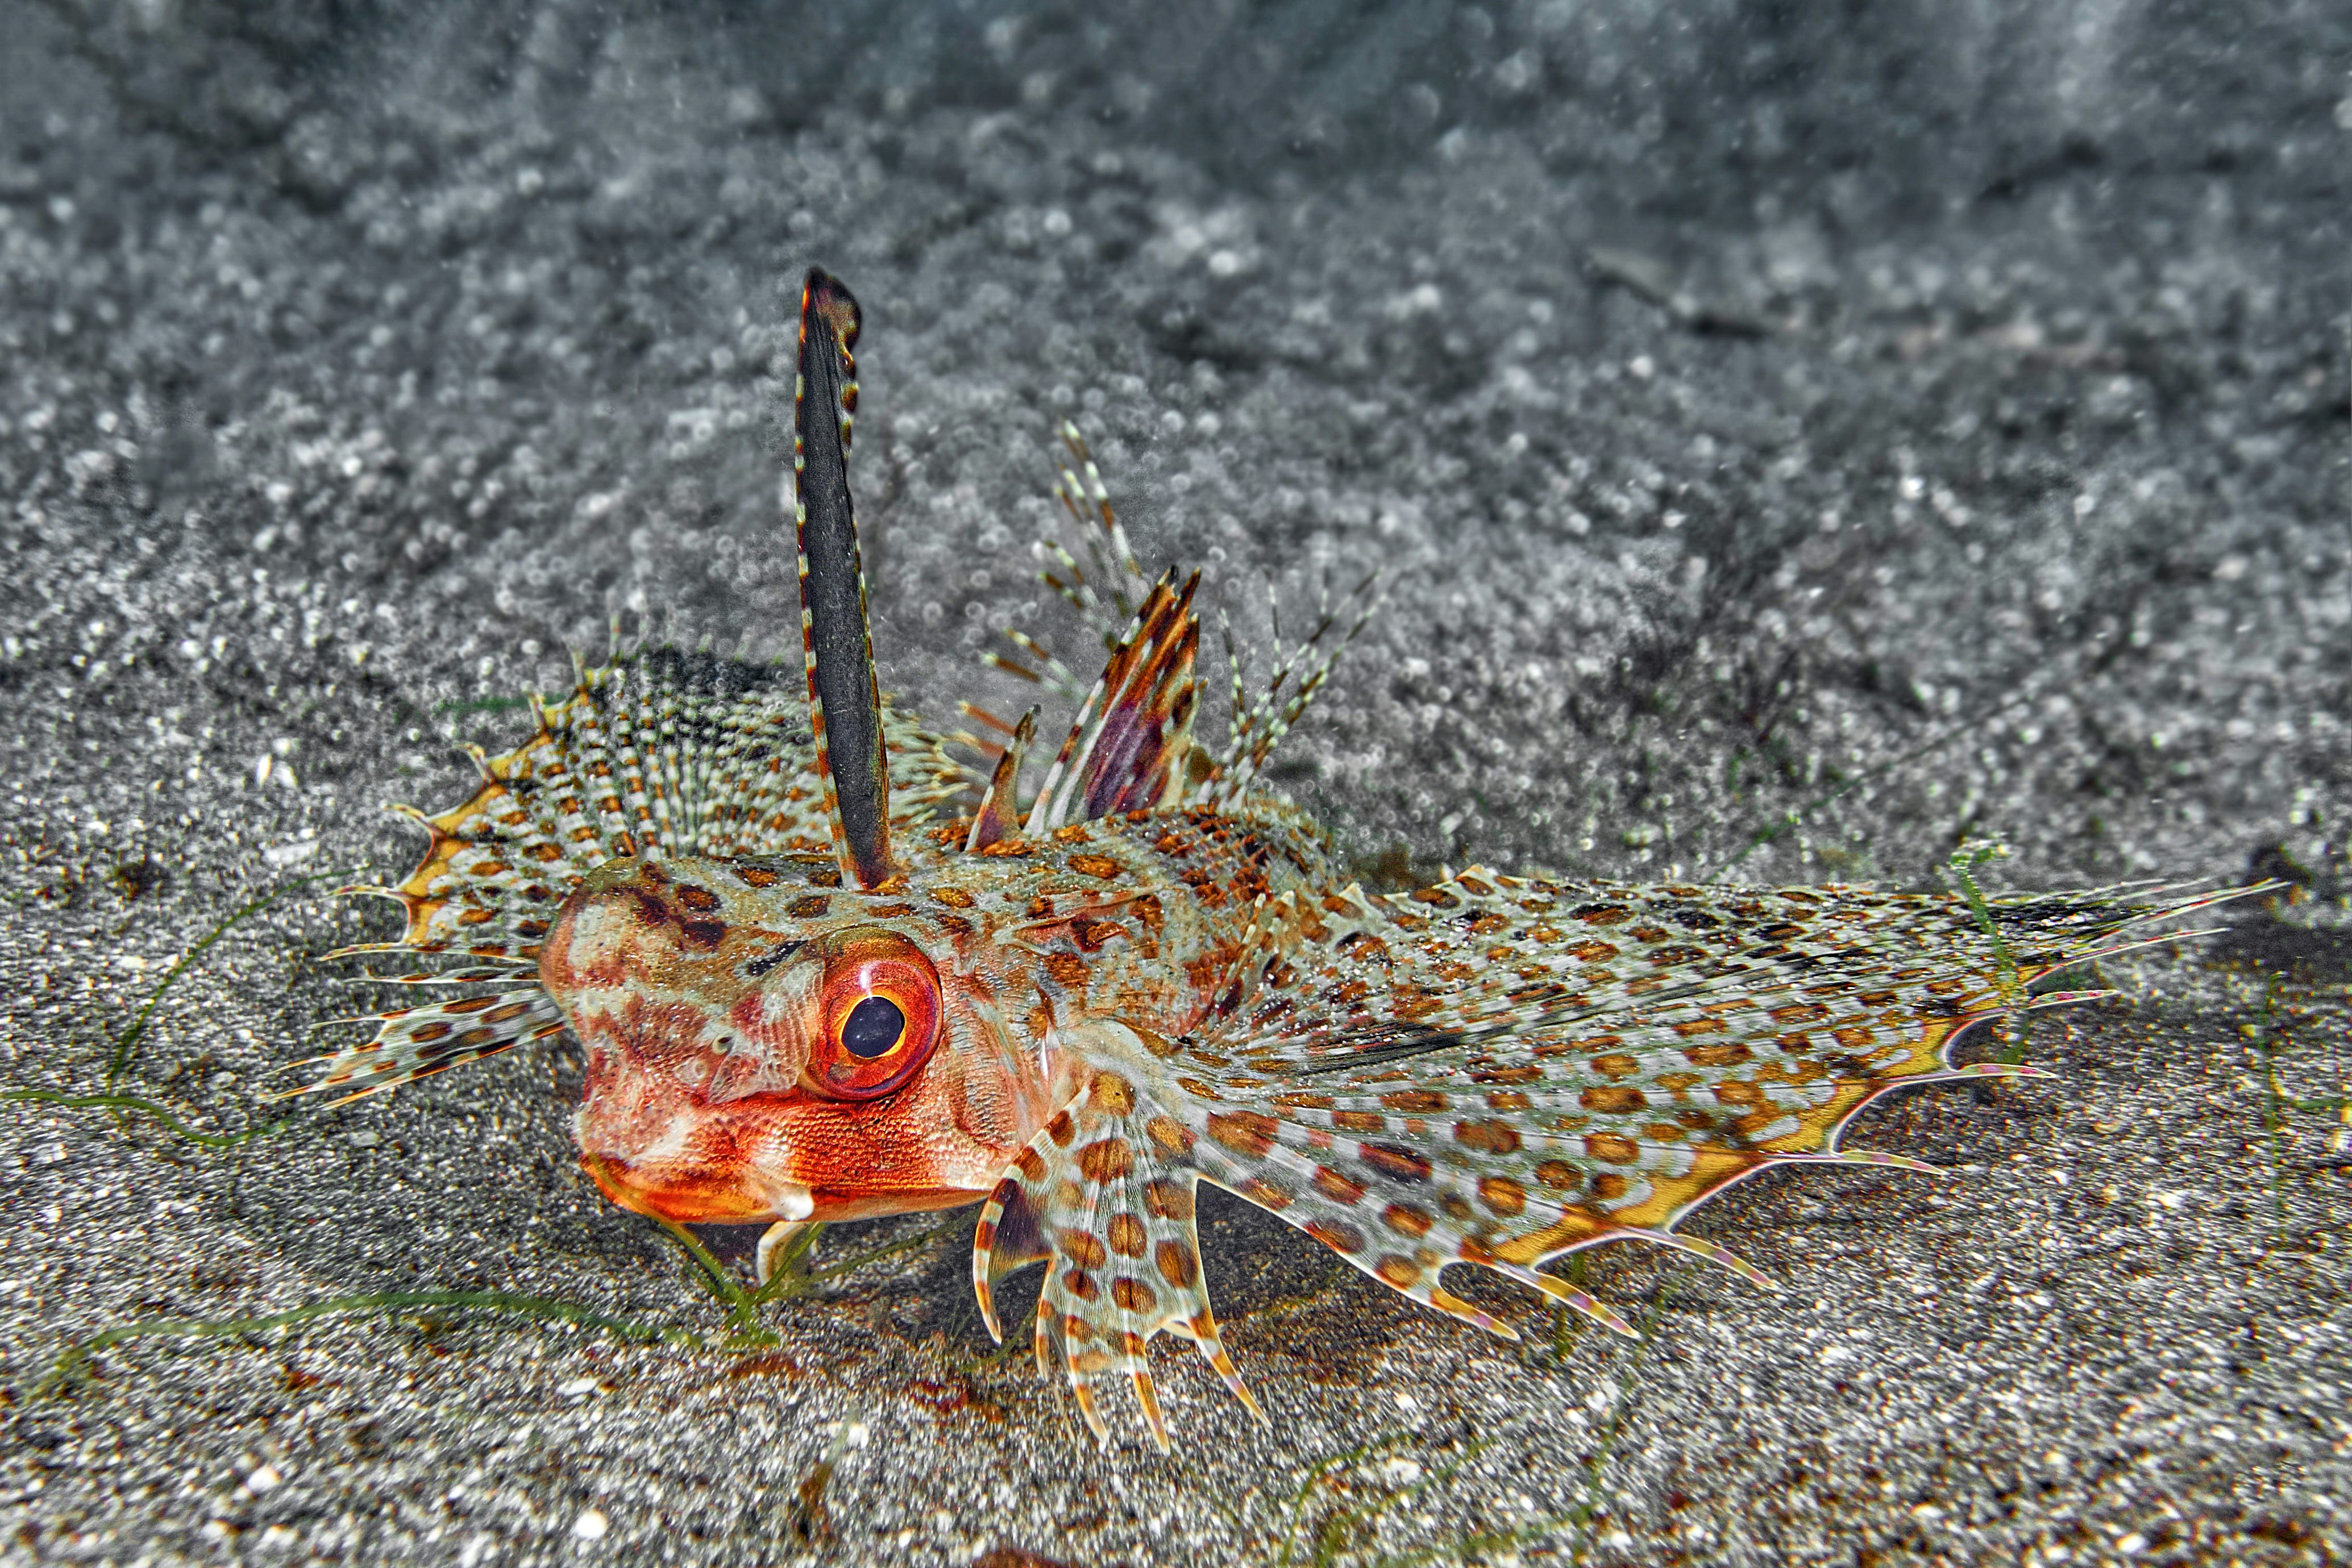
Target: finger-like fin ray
(1127, 748)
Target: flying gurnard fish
(824, 971)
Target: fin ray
(411, 1043)
(1112, 1192)
(1127, 748)
(998, 814)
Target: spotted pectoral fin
(1502, 1070)
(1507, 1153)
(1109, 1193)
(411, 1043)
(1389, 1210)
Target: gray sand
(1931, 422)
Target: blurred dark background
(1865, 114)
(1940, 408)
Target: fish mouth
(688, 1197)
(698, 1198)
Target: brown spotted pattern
(411, 1043)
(1501, 1070)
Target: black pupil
(873, 1028)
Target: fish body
(824, 970)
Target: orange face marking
(757, 1069)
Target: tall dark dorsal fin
(844, 702)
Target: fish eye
(877, 1019)
(874, 1027)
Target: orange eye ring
(877, 1016)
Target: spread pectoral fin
(1501, 1071)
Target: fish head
(763, 1046)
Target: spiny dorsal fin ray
(844, 702)
(1127, 750)
(1119, 584)
(1112, 595)
(998, 815)
(1257, 728)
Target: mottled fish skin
(696, 988)
(812, 990)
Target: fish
(822, 969)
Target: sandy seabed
(1793, 448)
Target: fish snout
(656, 1151)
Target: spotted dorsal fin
(1128, 749)
(845, 701)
